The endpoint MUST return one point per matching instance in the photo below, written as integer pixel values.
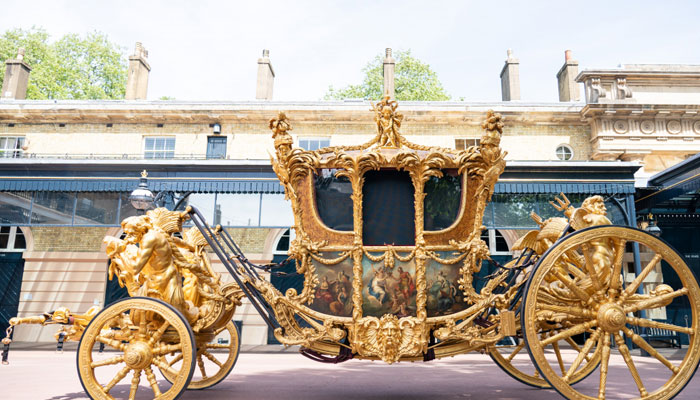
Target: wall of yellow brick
(73, 239)
(253, 140)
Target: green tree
(74, 67)
(413, 80)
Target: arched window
(12, 239)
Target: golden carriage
(388, 240)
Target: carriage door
(113, 291)
(282, 283)
(11, 270)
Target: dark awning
(564, 187)
(127, 185)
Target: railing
(124, 156)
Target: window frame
(169, 154)
(14, 232)
(12, 152)
(463, 143)
(319, 139)
(564, 146)
(222, 140)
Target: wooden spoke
(574, 330)
(622, 348)
(117, 378)
(580, 293)
(655, 301)
(604, 360)
(577, 262)
(107, 361)
(636, 339)
(216, 332)
(590, 267)
(200, 364)
(143, 325)
(647, 323)
(164, 366)
(639, 279)
(615, 282)
(583, 354)
(517, 349)
(557, 352)
(175, 359)
(116, 344)
(157, 335)
(135, 384)
(574, 346)
(212, 358)
(151, 377)
(575, 311)
(218, 346)
(167, 348)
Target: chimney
(510, 78)
(568, 88)
(266, 77)
(14, 86)
(389, 64)
(137, 80)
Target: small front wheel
(137, 332)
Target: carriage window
(333, 200)
(442, 200)
(388, 213)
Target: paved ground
(46, 375)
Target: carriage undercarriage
(382, 288)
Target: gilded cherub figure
(388, 122)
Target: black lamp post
(141, 197)
(652, 227)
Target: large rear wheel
(578, 284)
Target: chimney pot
(14, 86)
(137, 76)
(389, 66)
(266, 77)
(566, 78)
(510, 78)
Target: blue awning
(127, 185)
(564, 187)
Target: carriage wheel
(578, 284)
(516, 363)
(136, 332)
(218, 356)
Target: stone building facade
(90, 153)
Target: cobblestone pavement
(46, 375)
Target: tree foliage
(73, 67)
(413, 80)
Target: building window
(564, 152)
(314, 143)
(158, 147)
(12, 239)
(216, 147)
(495, 241)
(11, 147)
(465, 143)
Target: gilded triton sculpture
(389, 243)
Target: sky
(208, 50)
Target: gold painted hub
(138, 355)
(611, 317)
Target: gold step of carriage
(388, 240)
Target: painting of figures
(388, 290)
(444, 296)
(334, 292)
